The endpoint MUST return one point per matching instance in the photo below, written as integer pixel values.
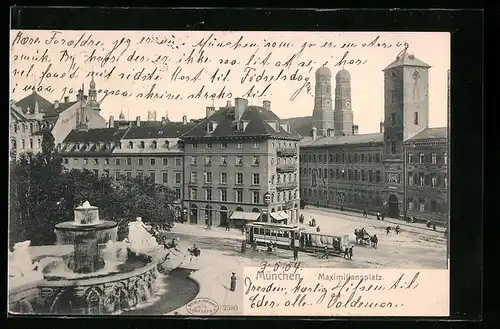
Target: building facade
(241, 164)
(343, 169)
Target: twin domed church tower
(329, 119)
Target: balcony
(286, 168)
(286, 186)
(193, 183)
(286, 152)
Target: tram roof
(271, 225)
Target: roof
(343, 74)
(17, 114)
(95, 135)
(343, 140)
(166, 130)
(301, 125)
(324, 71)
(430, 133)
(256, 116)
(54, 112)
(29, 102)
(407, 59)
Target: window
(393, 119)
(193, 194)
(272, 160)
(255, 197)
(255, 145)
(164, 177)
(194, 177)
(223, 145)
(208, 161)
(239, 178)
(393, 147)
(178, 178)
(177, 193)
(421, 179)
(223, 195)
(154, 145)
(415, 118)
(140, 174)
(39, 143)
(178, 162)
(75, 161)
(85, 161)
(433, 158)
(410, 204)
(223, 160)
(239, 145)
(433, 180)
(153, 161)
(140, 162)
(410, 178)
(152, 175)
(210, 127)
(130, 145)
(421, 158)
(208, 146)
(377, 176)
(239, 195)
(66, 161)
(255, 179)
(445, 157)
(256, 160)
(208, 177)
(164, 161)
(223, 178)
(194, 146)
(421, 205)
(445, 182)
(106, 161)
(31, 143)
(410, 158)
(118, 162)
(141, 145)
(117, 174)
(363, 176)
(96, 161)
(239, 161)
(208, 194)
(193, 161)
(167, 144)
(128, 174)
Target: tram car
(284, 236)
(290, 236)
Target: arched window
(167, 144)
(130, 145)
(31, 127)
(142, 145)
(154, 145)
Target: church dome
(324, 72)
(121, 116)
(92, 84)
(343, 74)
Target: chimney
(163, 120)
(111, 122)
(240, 104)
(228, 103)
(266, 105)
(56, 104)
(137, 121)
(355, 129)
(381, 127)
(184, 119)
(314, 132)
(209, 111)
(66, 99)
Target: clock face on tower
(327, 102)
(348, 105)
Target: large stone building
(343, 169)
(131, 150)
(241, 164)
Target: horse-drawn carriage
(363, 237)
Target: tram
(290, 236)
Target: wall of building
(323, 182)
(23, 137)
(426, 171)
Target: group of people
(396, 229)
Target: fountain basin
(103, 230)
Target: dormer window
(211, 127)
(167, 144)
(97, 145)
(141, 145)
(154, 145)
(77, 146)
(240, 126)
(119, 145)
(130, 145)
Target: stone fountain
(100, 275)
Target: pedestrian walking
(295, 253)
(346, 252)
(383, 215)
(325, 255)
(397, 230)
(365, 213)
(388, 229)
(350, 252)
(227, 226)
(378, 216)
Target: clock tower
(323, 111)
(343, 115)
(406, 113)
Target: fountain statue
(140, 240)
(22, 270)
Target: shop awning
(245, 215)
(279, 215)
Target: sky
(168, 60)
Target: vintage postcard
(213, 173)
